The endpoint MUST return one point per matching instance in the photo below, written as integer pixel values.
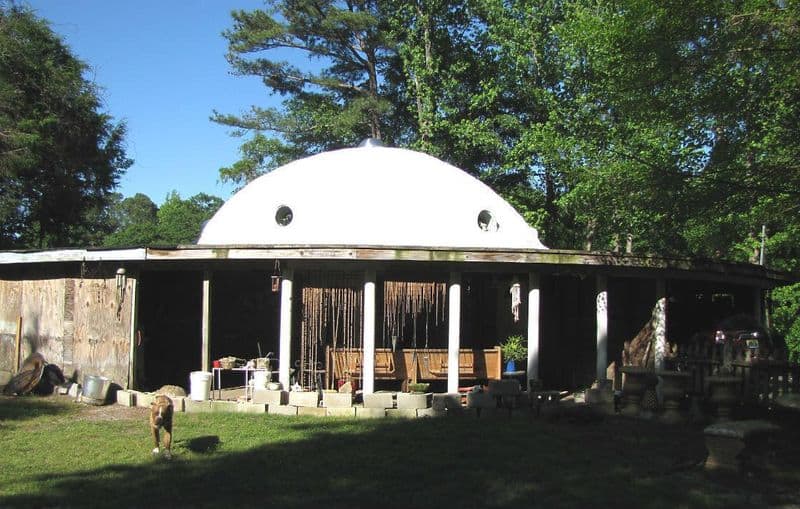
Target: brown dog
(161, 419)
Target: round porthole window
(283, 216)
(487, 222)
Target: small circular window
(284, 215)
(487, 222)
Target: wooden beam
(18, 346)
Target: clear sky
(161, 68)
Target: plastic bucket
(260, 379)
(200, 385)
(95, 389)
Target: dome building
(371, 265)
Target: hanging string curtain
(332, 309)
(412, 302)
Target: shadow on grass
(20, 408)
(423, 463)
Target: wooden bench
(726, 441)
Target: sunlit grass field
(58, 453)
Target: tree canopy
(672, 124)
(60, 156)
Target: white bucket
(200, 385)
(260, 379)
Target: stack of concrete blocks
(338, 404)
(376, 404)
(302, 403)
(411, 404)
(508, 395)
(270, 399)
(483, 403)
(448, 404)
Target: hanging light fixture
(122, 278)
(276, 277)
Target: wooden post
(18, 346)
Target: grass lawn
(58, 453)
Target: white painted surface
(371, 196)
(369, 332)
(453, 331)
(601, 306)
(533, 326)
(285, 334)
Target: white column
(206, 327)
(369, 332)
(454, 331)
(285, 335)
(533, 327)
(660, 314)
(601, 304)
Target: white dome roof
(369, 196)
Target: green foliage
(180, 221)
(786, 317)
(514, 348)
(135, 220)
(60, 157)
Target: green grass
(54, 456)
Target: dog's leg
(167, 440)
(155, 438)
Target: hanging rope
(412, 300)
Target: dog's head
(161, 410)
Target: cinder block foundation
(379, 400)
(126, 398)
(270, 397)
(251, 408)
(366, 412)
(282, 410)
(409, 400)
(304, 399)
(337, 400)
(194, 407)
(340, 412)
(313, 411)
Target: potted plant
(514, 349)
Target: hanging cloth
(516, 300)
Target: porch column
(533, 327)
(454, 331)
(285, 335)
(134, 298)
(660, 315)
(206, 327)
(369, 333)
(601, 305)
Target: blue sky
(161, 67)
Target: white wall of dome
(370, 196)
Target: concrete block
(271, 397)
(281, 410)
(337, 399)
(367, 412)
(178, 403)
(505, 387)
(402, 413)
(126, 398)
(251, 408)
(446, 401)
(481, 400)
(431, 412)
(194, 407)
(379, 400)
(304, 399)
(340, 411)
(224, 406)
(144, 399)
(75, 390)
(410, 400)
(314, 411)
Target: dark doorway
(169, 331)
